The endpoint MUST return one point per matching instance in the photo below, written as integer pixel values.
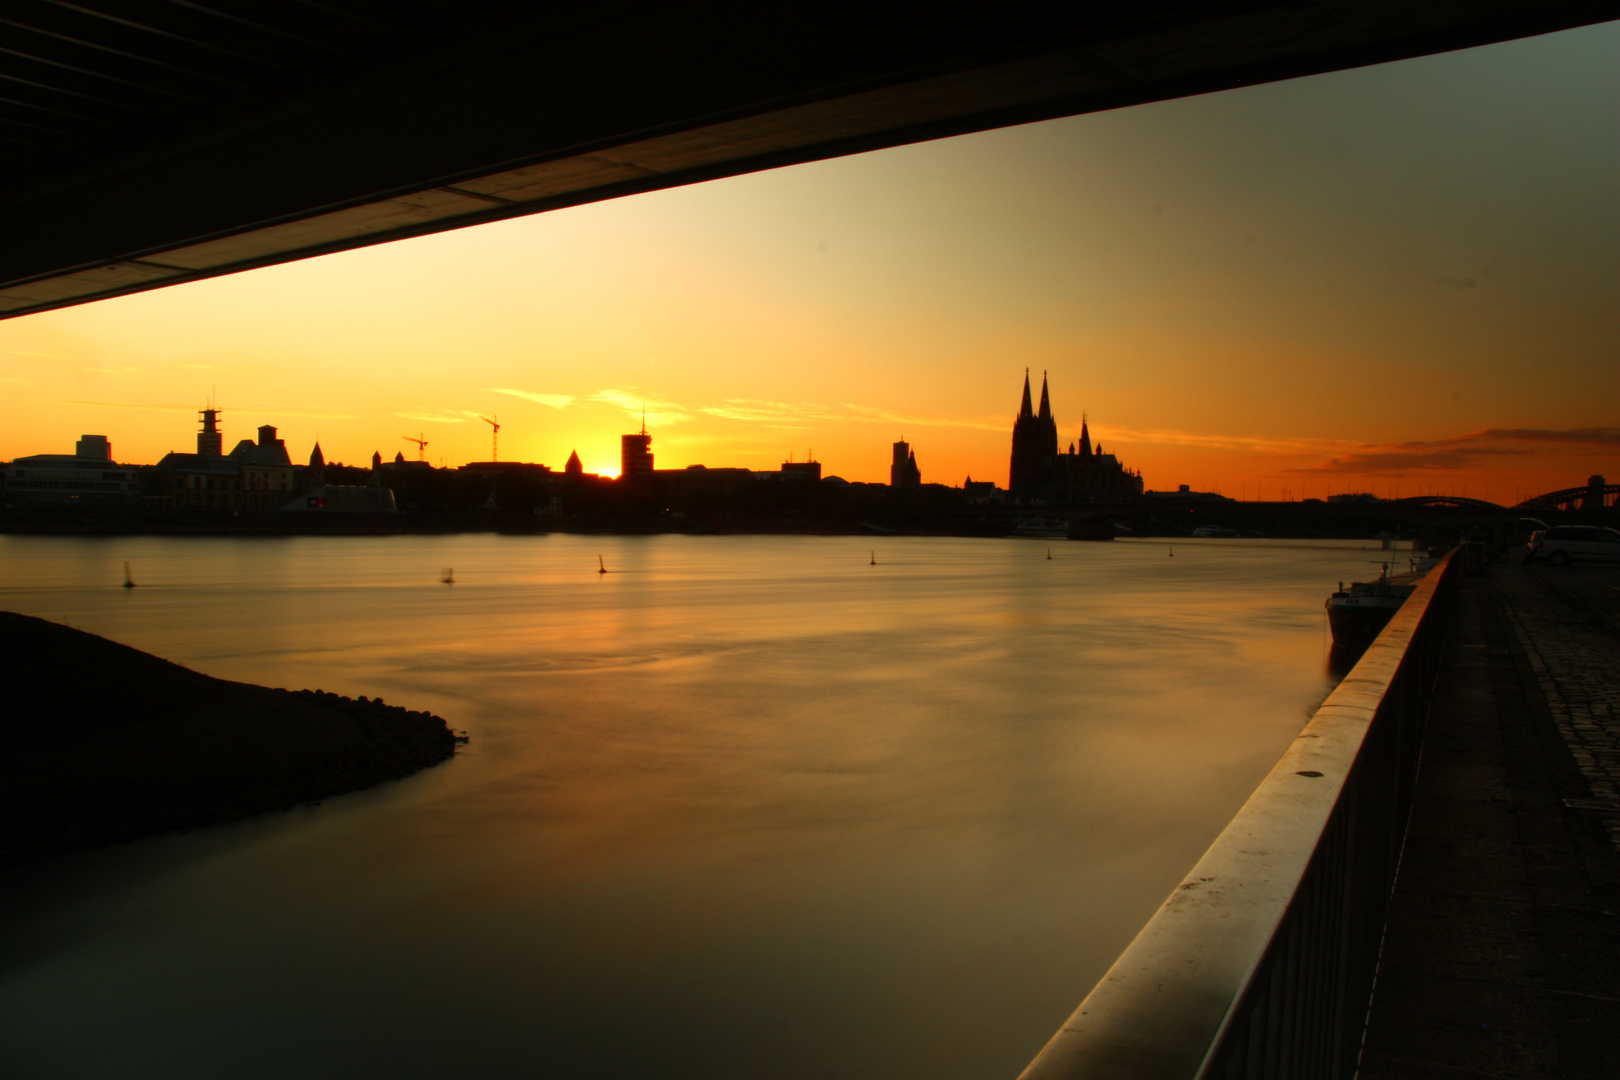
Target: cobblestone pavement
(1568, 621)
(1499, 959)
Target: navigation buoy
(601, 567)
(129, 582)
(874, 559)
(1048, 553)
(449, 575)
(1172, 551)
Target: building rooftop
(205, 464)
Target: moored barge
(1358, 614)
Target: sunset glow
(1396, 279)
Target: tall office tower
(635, 455)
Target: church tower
(903, 471)
(1027, 441)
(1047, 424)
(1083, 475)
(1035, 441)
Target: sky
(1398, 279)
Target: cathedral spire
(1025, 409)
(1046, 405)
(1085, 437)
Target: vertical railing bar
(1293, 1000)
(1331, 971)
(1310, 970)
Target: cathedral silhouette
(1040, 470)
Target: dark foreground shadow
(1340, 660)
(101, 743)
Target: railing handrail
(1171, 1006)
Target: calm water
(743, 807)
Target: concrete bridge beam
(318, 137)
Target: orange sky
(1401, 275)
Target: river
(741, 807)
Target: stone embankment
(101, 743)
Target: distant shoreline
(1254, 520)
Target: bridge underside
(144, 143)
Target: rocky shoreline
(101, 743)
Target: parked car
(1526, 528)
(1568, 543)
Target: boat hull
(1357, 620)
(1041, 529)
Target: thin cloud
(148, 407)
(113, 370)
(278, 408)
(657, 412)
(201, 367)
(1254, 444)
(1467, 450)
(272, 411)
(143, 406)
(975, 423)
(1596, 436)
(438, 416)
(801, 413)
(778, 413)
(26, 352)
(1396, 461)
(740, 444)
(556, 401)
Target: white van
(1571, 543)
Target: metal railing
(1261, 962)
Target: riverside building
(87, 477)
(255, 475)
(267, 471)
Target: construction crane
(421, 446)
(494, 438)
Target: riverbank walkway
(1502, 951)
